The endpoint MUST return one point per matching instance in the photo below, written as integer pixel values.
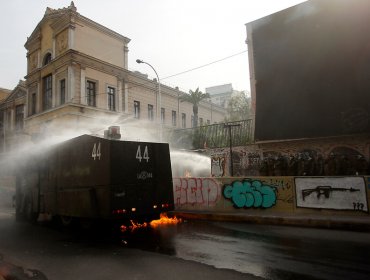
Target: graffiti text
(250, 194)
(196, 191)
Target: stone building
(222, 94)
(12, 117)
(4, 93)
(78, 80)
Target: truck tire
(66, 221)
(30, 215)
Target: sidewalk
(355, 223)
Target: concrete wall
(290, 195)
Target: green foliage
(238, 108)
(195, 97)
(212, 136)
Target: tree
(238, 108)
(194, 97)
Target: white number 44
(145, 156)
(96, 151)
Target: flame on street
(134, 226)
(163, 220)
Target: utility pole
(230, 126)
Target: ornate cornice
(17, 93)
(85, 61)
(34, 42)
(51, 14)
(103, 29)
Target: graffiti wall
(340, 193)
(250, 193)
(196, 192)
(273, 194)
(218, 167)
(228, 194)
(342, 156)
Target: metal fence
(213, 136)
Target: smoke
(186, 163)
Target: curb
(342, 223)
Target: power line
(192, 69)
(205, 65)
(183, 72)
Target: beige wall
(61, 42)
(46, 40)
(99, 45)
(103, 80)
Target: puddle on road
(159, 240)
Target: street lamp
(158, 112)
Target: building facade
(78, 79)
(71, 78)
(12, 108)
(222, 94)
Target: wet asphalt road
(191, 250)
(274, 252)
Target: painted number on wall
(96, 153)
(144, 156)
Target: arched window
(47, 59)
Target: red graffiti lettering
(196, 191)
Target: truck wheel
(18, 215)
(30, 215)
(19, 210)
(66, 220)
(86, 223)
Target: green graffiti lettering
(249, 194)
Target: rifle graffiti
(337, 193)
(325, 191)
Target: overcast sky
(172, 35)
